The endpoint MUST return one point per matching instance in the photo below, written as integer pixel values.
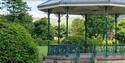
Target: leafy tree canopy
(96, 25)
(17, 45)
(41, 29)
(77, 27)
(120, 35)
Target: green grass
(42, 50)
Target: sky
(34, 10)
(31, 3)
(39, 14)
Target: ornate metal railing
(74, 50)
(64, 50)
(111, 50)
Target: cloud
(34, 10)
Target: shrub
(80, 41)
(41, 42)
(16, 44)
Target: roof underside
(84, 6)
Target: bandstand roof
(84, 6)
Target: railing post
(94, 50)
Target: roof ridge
(46, 1)
(60, 1)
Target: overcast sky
(38, 14)
(34, 10)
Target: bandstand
(70, 53)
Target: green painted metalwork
(67, 19)
(48, 31)
(58, 32)
(73, 50)
(116, 32)
(59, 28)
(106, 24)
(100, 49)
(85, 44)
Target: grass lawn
(42, 50)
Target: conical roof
(84, 6)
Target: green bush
(41, 42)
(16, 44)
(80, 41)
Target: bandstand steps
(84, 60)
(59, 59)
(110, 59)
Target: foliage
(120, 35)
(18, 13)
(41, 42)
(26, 21)
(17, 45)
(62, 31)
(77, 27)
(96, 25)
(76, 39)
(41, 29)
(16, 8)
(80, 41)
(42, 50)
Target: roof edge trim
(64, 5)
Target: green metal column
(106, 23)
(67, 19)
(85, 44)
(94, 45)
(59, 33)
(116, 32)
(48, 32)
(59, 28)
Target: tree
(17, 45)
(18, 13)
(95, 30)
(62, 30)
(41, 29)
(77, 27)
(96, 25)
(16, 9)
(120, 35)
